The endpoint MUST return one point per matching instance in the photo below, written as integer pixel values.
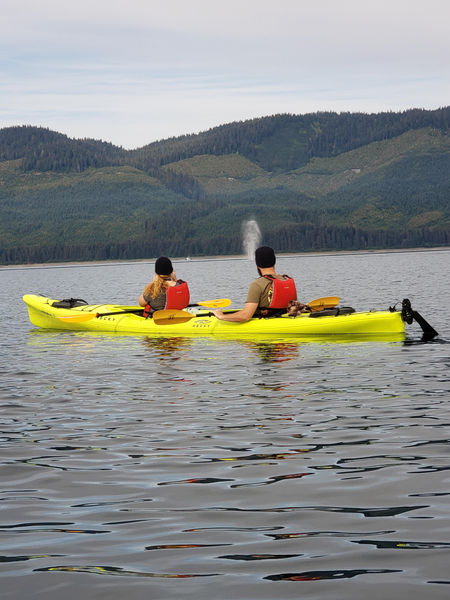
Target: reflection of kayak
(338, 322)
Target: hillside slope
(322, 181)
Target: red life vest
(283, 291)
(177, 297)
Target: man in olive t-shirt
(258, 293)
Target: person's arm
(142, 301)
(239, 316)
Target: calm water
(136, 467)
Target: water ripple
(320, 575)
(404, 545)
(109, 570)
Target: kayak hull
(375, 323)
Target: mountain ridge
(313, 182)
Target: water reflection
(4, 559)
(184, 546)
(168, 346)
(109, 570)
(248, 557)
(282, 347)
(273, 352)
(48, 527)
(319, 575)
(271, 349)
(404, 545)
(271, 480)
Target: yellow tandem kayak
(126, 319)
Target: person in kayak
(165, 291)
(268, 295)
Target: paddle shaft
(135, 311)
(171, 317)
(317, 304)
(81, 317)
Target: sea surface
(138, 467)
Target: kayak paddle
(82, 317)
(171, 317)
(323, 303)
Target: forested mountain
(319, 181)
(44, 150)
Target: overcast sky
(134, 71)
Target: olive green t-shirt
(260, 291)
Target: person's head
(163, 274)
(163, 267)
(265, 258)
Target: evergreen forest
(321, 181)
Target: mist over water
(251, 235)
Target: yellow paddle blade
(79, 318)
(323, 303)
(218, 303)
(171, 317)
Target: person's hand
(294, 308)
(218, 314)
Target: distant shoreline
(220, 257)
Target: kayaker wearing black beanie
(158, 294)
(265, 295)
(265, 257)
(163, 266)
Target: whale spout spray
(251, 238)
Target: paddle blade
(171, 317)
(80, 318)
(217, 303)
(323, 303)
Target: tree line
(302, 238)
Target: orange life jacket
(283, 291)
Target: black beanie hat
(265, 257)
(163, 266)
